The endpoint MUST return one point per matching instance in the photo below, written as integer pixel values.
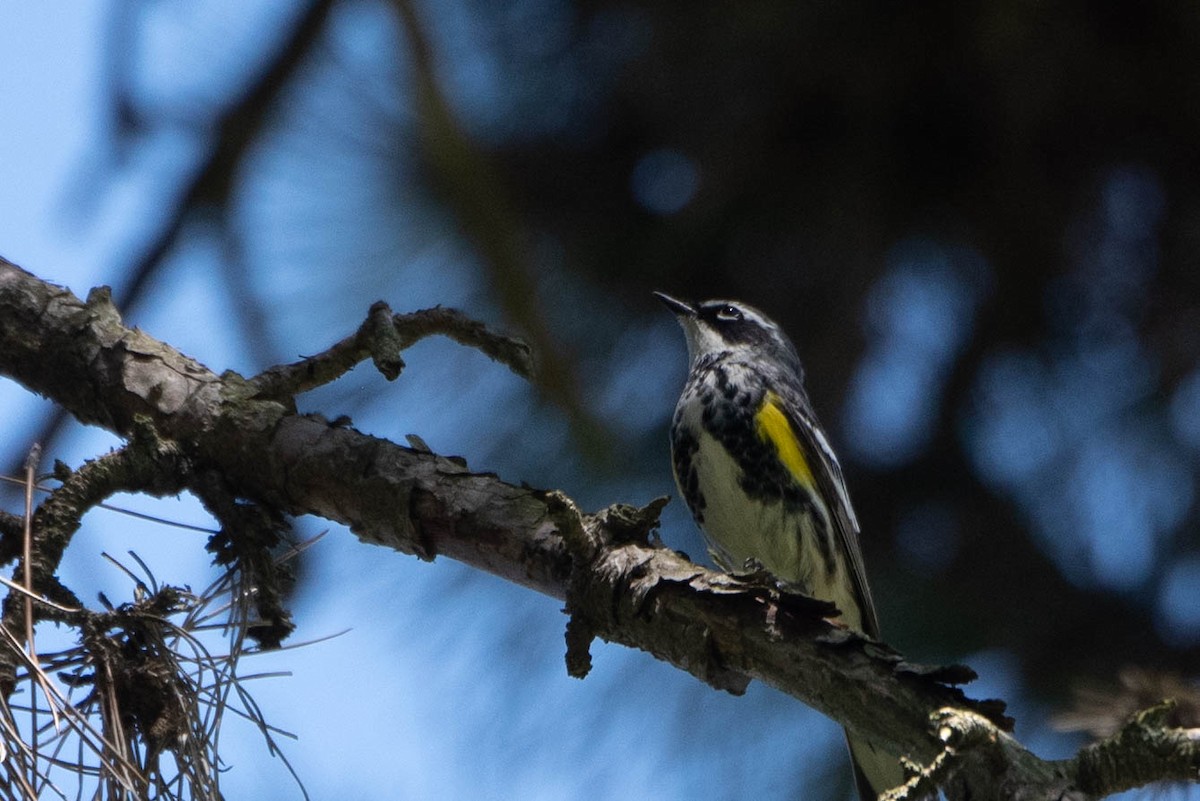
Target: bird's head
(714, 327)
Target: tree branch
(1148, 748)
(619, 585)
(381, 337)
(145, 465)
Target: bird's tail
(875, 770)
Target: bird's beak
(677, 307)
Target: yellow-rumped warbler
(762, 482)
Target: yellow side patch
(772, 426)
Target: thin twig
(14, 736)
(31, 464)
(21, 590)
(75, 720)
(121, 510)
(381, 337)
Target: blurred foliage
(979, 223)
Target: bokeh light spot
(1012, 437)
(1179, 604)
(1185, 411)
(919, 314)
(664, 181)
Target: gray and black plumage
(761, 480)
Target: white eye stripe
(728, 326)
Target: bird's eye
(729, 313)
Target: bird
(763, 483)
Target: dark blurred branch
(252, 315)
(1102, 709)
(476, 192)
(620, 586)
(236, 127)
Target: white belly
(744, 532)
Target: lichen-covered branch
(11, 529)
(620, 586)
(1150, 747)
(381, 337)
(145, 465)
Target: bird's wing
(821, 461)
